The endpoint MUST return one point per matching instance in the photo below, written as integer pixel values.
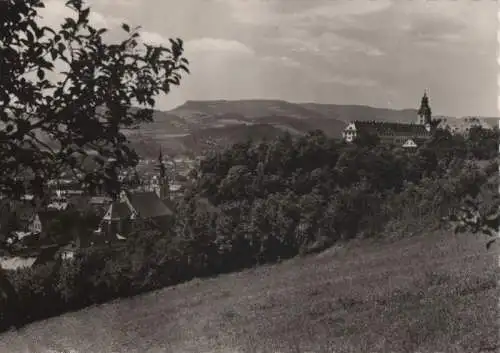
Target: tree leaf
(61, 47)
(41, 74)
(30, 36)
(84, 14)
(126, 27)
(489, 243)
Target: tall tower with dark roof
(163, 182)
(424, 112)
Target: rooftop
(146, 204)
(149, 205)
(389, 128)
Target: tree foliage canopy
(65, 94)
(479, 212)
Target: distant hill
(348, 113)
(197, 111)
(197, 125)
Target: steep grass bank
(427, 293)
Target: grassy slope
(430, 293)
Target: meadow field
(429, 293)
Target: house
(34, 256)
(401, 134)
(27, 197)
(68, 251)
(176, 190)
(123, 214)
(40, 221)
(35, 224)
(31, 225)
(31, 222)
(410, 144)
(28, 219)
(51, 253)
(16, 262)
(59, 203)
(391, 133)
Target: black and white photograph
(249, 176)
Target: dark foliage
(263, 202)
(50, 125)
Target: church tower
(163, 187)
(424, 112)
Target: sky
(381, 53)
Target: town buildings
(150, 202)
(399, 134)
(132, 208)
(148, 196)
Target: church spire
(163, 182)
(424, 112)
(161, 165)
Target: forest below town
(263, 202)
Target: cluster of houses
(151, 200)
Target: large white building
(404, 135)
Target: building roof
(169, 203)
(99, 200)
(58, 205)
(409, 144)
(148, 205)
(175, 187)
(118, 210)
(389, 129)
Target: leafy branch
(56, 122)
